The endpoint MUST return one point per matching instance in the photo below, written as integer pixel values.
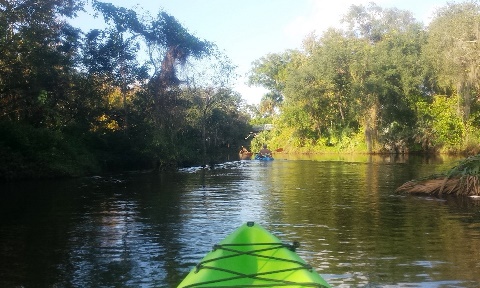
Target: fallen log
(466, 186)
(461, 180)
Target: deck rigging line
(258, 276)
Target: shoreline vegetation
(76, 103)
(461, 180)
(28, 153)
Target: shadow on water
(88, 231)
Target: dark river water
(149, 230)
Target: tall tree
(366, 77)
(214, 102)
(454, 50)
(168, 43)
(169, 46)
(112, 57)
(392, 77)
(321, 83)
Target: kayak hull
(252, 257)
(263, 158)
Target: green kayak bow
(253, 257)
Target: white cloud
(252, 95)
(427, 16)
(321, 16)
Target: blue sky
(249, 29)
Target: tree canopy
(383, 83)
(93, 90)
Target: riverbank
(27, 152)
(35, 153)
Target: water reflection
(146, 230)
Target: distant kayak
(245, 155)
(263, 158)
(253, 257)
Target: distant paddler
(264, 153)
(244, 154)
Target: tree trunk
(371, 128)
(204, 144)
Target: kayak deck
(252, 257)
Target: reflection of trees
(162, 212)
(128, 234)
(101, 239)
(348, 216)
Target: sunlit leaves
(366, 78)
(454, 51)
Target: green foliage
(447, 126)
(28, 152)
(270, 72)
(453, 49)
(72, 105)
(380, 78)
(440, 125)
(467, 167)
(38, 50)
